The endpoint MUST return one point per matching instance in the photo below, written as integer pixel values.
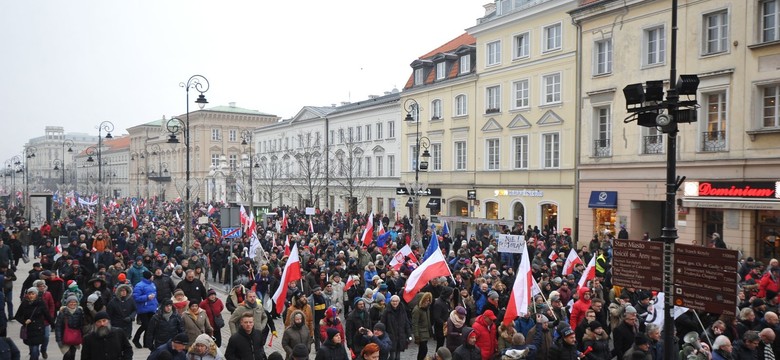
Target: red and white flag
(435, 266)
(350, 282)
(381, 230)
(571, 261)
(243, 218)
(311, 226)
(400, 256)
(134, 220)
(553, 256)
(477, 271)
(292, 272)
(211, 210)
(368, 233)
(590, 272)
(284, 221)
(287, 246)
(520, 298)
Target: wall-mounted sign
(522, 192)
(739, 189)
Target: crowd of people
(134, 281)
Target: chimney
(489, 8)
(232, 104)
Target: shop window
(459, 208)
(491, 210)
(518, 212)
(604, 224)
(713, 223)
(549, 214)
(768, 234)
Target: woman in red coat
(213, 307)
(331, 321)
(487, 340)
(769, 282)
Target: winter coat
(541, 339)
(398, 327)
(355, 320)
(563, 351)
(115, 346)
(440, 312)
(212, 309)
(487, 341)
(580, 307)
(741, 352)
(421, 324)
(195, 290)
(74, 320)
(258, 313)
(454, 335)
(622, 338)
(164, 286)
(332, 351)
(466, 351)
(122, 310)
(136, 273)
(325, 325)
(9, 350)
(308, 317)
(294, 335)
(161, 330)
(243, 346)
(141, 293)
(37, 313)
(195, 325)
(599, 345)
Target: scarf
(456, 320)
(167, 315)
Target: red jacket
(212, 309)
(487, 340)
(767, 283)
(579, 308)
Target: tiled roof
(464, 39)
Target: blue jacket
(367, 276)
(135, 273)
(141, 294)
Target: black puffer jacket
(243, 346)
(398, 326)
(161, 330)
(332, 351)
(467, 351)
(563, 351)
(121, 310)
(35, 312)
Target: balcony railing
(601, 148)
(653, 144)
(713, 141)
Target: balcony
(601, 148)
(653, 144)
(713, 141)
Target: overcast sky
(78, 63)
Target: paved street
(141, 354)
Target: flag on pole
(368, 233)
(571, 261)
(590, 272)
(311, 226)
(400, 256)
(178, 218)
(433, 247)
(287, 246)
(445, 230)
(432, 268)
(477, 271)
(520, 297)
(381, 229)
(350, 282)
(243, 218)
(211, 210)
(292, 272)
(284, 221)
(553, 256)
(135, 219)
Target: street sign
(706, 300)
(471, 194)
(705, 269)
(637, 263)
(705, 279)
(423, 192)
(231, 233)
(730, 257)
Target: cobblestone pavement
(54, 353)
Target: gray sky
(78, 63)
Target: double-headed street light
(174, 125)
(137, 156)
(13, 166)
(67, 143)
(246, 139)
(417, 189)
(29, 153)
(108, 127)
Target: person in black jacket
(624, 334)
(332, 349)
(121, 309)
(745, 349)
(106, 342)
(163, 326)
(193, 287)
(173, 349)
(468, 350)
(398, 325)
(163, 284)
(440, 312)
(31, 313)
(566, 347)
(246, 343)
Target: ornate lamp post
(29, 153)
(417, 189)
(12, 167)
(246, 139)
(137, 156)
(174, 126)
(108, 127)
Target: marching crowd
(133, 282)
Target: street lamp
(174, 125)
(67, 143)
(416, 190)
(108, 127)
(29, 153)
(137, 156)
(12, 165)
(647, 106)
(246, 139)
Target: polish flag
(243, 218)
(477, 271)
(311, 226)
(58, 249)
(211, 210)
(520, 298)
(400, 256)
(590, 272)
(292, 272)
(381, 230)
(553, 255)
(350, 282)
(432, 268)
(284, 221)
(251, 226)
(368, 233)
(287, 246)
(134, 220)
(571, 261)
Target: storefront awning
(603, 200)
(409, 202)
(434, 203)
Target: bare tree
(269, 175)
(307, 178)
(350, 172)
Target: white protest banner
(511, 243)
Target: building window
(551, 87)
(654, 46)
(391, 165)
(341, 136)
(368, 132)
(493, 99)
(552, 37)
(460, 155)
(552, 151)
(716, 32)
(441, 70)
(233, 161)
(603, 131)
(379, 166)
(461, 106)
(436, 156)
(350, 134)
(358, 133)
(215, 134)
(603, 57)
(493, 53)
(770, 20)
(714, 138)
(522, 45)
(493, 154)
(215, 160)
(520, 94)
(652, 141)
(465, 64)
(520, 145)
(436, 110)
(331, 137)
(232, 135)
(391, 129)
(418, 76)
(368, 166)
(379, 131)
(413, 158)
